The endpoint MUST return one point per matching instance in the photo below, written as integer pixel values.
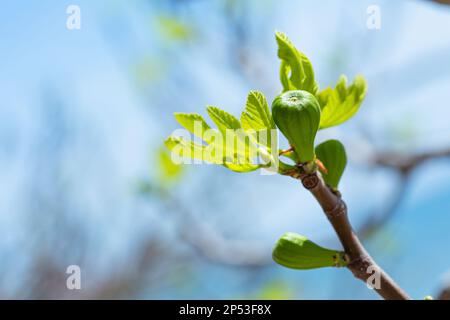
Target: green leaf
(175, 29)
(225, 122)
(296, 71)
(246, 167)
(257, 120)
(256, 115)
(223, 119)
(297, 252)
(192, 122)
(183, 148)
(341, 103)
(168, 170)
(230, 146)
(230, 127)
(275, 290)
(243, 155)
(213, 153)
(332, 154)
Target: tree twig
(441, 1)
(361, 263)
(375, 221)
(209, 243)
(404, 165)
(444, 294)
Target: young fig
(297, 114)
(331, 154)
(297, 252)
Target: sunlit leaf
(168, 170)
(341, 103)
(231, 146)
(277, 290)
(256, 115)
(246, 167)
(235, 160)
(192, 122)
(223, 119)
(296, 71)
(256, 118)
(174, 29)
(186, 149)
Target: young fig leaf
(296, 71)
(256, 115)
(168, 171)
(297, 114)
(257, 120)
(333, 157)
(297, 252)
(192, 122)
(223, 119)
(341, 103)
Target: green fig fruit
(297, 114)
(332, 155)
(297, 252)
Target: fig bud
(297, 114)
(297, 252)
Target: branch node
(310, 181)
(359, 266)
(338, 210)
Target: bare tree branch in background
(206, 240)
(58, 233)
(403, 165)
(441, 1)
(444, 294)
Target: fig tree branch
(360, 262)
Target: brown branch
(359, 260)
(441, 1)
(406, 163)
(444, 291)
(444, 294)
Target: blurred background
(85, 179)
